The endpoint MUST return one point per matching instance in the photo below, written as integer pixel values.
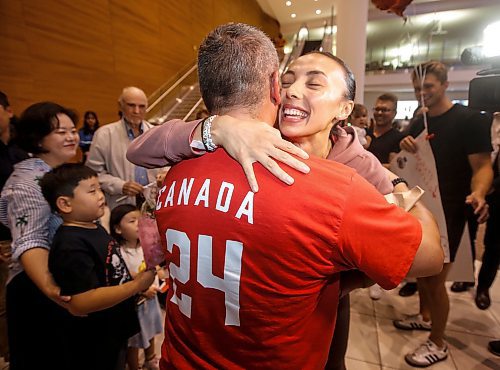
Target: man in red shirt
(255, 276)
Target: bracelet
(206, 136)
(399, 180)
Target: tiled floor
(375, 344)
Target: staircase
(178, 98)
(184, 106)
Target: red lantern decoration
(392, 6)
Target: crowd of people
(260, 271)
(74, 285)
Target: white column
(351, 18)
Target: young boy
(86, 263)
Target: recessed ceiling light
(288, 3)
(318, 11)
(293, 15)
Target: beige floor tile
(360, 303)
(394, 344)
(466, 317)
(363, 344)
(469, 352)
(495, 312)
(392, 306)
(353, 364)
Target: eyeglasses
(382, 110)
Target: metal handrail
(193, 109)
(176, 83)
(179, 101)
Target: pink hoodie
(170, 143)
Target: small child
(359, 120)
(124, 226)
(87, 264)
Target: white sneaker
(427, 354)
(375, 292)
(415, 322)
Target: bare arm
(253, 141)
(35, 262)
(429, 258)
(106, 297)
(482, 178)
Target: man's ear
(63, 204)
(345, 110)
(120, 106)
(275, 88)
(10, 112)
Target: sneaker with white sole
(414, 322)
(427, 354)
(375, 292)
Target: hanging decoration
(392, 6)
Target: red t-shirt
(255, 276)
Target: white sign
(420, 169)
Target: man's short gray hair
(235, 65)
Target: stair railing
(298, 45)
(165, 99)
(198, 103)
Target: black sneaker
(408, 289)
(494, 347)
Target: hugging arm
(246, 141)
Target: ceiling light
(490, 40)
(288, 3)
(293, 15)
(318, 11)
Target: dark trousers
(491, 256)
(338, 348)
(473, 226)
(34, 336)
